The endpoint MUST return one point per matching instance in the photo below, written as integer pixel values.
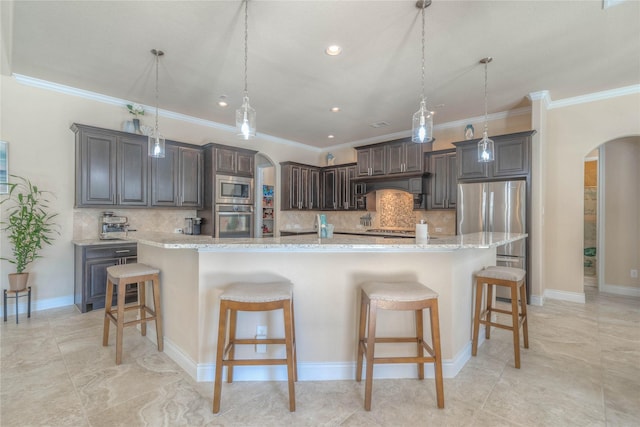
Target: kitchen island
(325, 274)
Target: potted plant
(29, 227)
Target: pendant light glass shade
(246, 120)
(156, 144)
(485, 149)
(422, 128)
(245, 115)
(156, 141)
(485, 145)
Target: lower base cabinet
(90, 278)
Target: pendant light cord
(246, 49)
(486, 125)
(424, 6)
(157, 53)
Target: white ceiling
(569, 48)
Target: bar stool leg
(371, 342)
(5, 305)
(476, 317)
(16, 308)
(293, 336)
(233, 322)
(523, 305)
(435, 338)
(420, 339)
(222, 341)
(29, 303)
(158, 312)
(515, 316)
(289, 347)
(361, 330)
(489, 316)
(120, 321)
(142, 302)
(107, 309)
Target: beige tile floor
(582, 369)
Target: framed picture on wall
(4, 167)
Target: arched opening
(612, 218)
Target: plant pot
(18, 281)
(136, 126)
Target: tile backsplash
(86, 222)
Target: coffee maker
(113, 227)
(192, 226)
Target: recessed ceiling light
(335, 109)
(222, 101)
(333, 50)
(331, 136)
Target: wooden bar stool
(514, 279)
(398, 296)
(26, 292)
(121, 276)
(254, 297)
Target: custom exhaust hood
(411, 184)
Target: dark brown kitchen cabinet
(234, 161)
(370, 161)
(301, 186)
(443, 186)
(337, 187)
(111, 168)
(177, 179)
(90, 278)
(403, 157)
(512, 158)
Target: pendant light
(245, 115)
(422, 126)
(485, 145)
(156, 141)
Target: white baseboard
(330, 371)
(36, 305)
(536, 300)
(565, 296)
(620, 290)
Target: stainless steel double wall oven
(234, 213)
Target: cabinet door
(314, 188)
(363, 157)
(294, 187)
(245, 164)
(468, 165)
(96, 280)
(351, 174)
(305, 197)
(511, 157)
(439, 179)
(97, 169)
(329, 182)
(164, 178)
(226, 161)
(342, 192)
(395, 158)
(190, 182)
(452, 181)
(132, 172)
(377, 158)
(413, 157)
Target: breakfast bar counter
(326, 274)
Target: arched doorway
(617, 217)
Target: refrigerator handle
(491, 212)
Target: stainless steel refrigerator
(499, 206)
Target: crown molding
(596, 96)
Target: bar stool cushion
(131, 270)
(503, 273)
(398, 291)
(258, 292)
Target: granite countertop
(311, 243)
(97, 241)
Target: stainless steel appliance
(499, 206)
(234, 221)
(234, 190)
(112, 227)
(192, 226)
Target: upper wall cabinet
(390, 158)
(176, 179)
(111, 168)
(234, 161)
(300, 186)
(512, 158)
(443, 180)
(370, 161)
